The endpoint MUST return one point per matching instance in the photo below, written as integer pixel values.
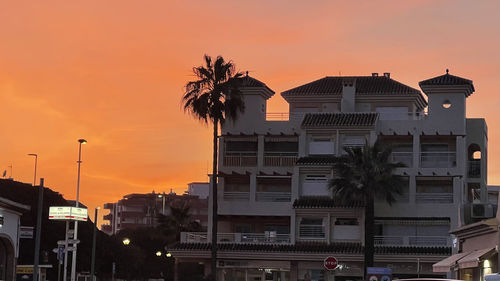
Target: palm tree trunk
(369, 243)
(214, 203)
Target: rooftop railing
(268, 237)
(434, 197)
(419, 241)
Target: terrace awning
(448, 263)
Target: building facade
(142, 210)
(10, 215)
(277, 219)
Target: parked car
(492, 277)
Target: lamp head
(82, 141)
(32, 154)
(126, 241)
(158, 254)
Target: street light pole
(36, 160)
(92, 263)
(75, 235)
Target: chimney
(348, 95)
(374, 74)
(387, 74)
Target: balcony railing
(307, 232)
(420, 241)
(280, 159)
(273, 196)
(243, 238)
(402, 157)
(434, 197)
(236, 196)
(240, 159)
(446, 159)
(474, 169)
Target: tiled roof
(247, 81)
(379, 85)
(343, 248)
(323, 202)
(446, 79)
(316, 160)
(340, 119)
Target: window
(354, 141)
(321, 146)
(312, 228)
(346, 221)
(315, 185)
(446, 104)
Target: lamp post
(75, 236)
(92, 262)
(162, 196)
(36, 160)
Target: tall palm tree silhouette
(214, 97)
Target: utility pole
(38, 231)
(92, 262)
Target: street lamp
(77, 203)
(162, 203)
(169, 255)
(126, 241)
(36, 160)
(158, 253)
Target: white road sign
(67, 213)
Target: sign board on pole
(378, 274)
(59, 213)
(26, 232)
(67, 213)
(79, 214)
(330, 263)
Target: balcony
(240, 159)
(434, 197)
(236, 196)
(276, 159)
(107, 217)
(402, 157)
(273, 196)
(445, 159)
(312, 232)
(418, 241)
(474, 169)
(269, 237)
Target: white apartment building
(277, 219)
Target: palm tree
(179, 220)
(214, 97)
(361, 175)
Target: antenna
(4, 173)
(10, 166)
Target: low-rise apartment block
(277, 219)
(142, 210)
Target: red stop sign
(330, 263)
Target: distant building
(199, 189)
(141, 210)
(10, 221)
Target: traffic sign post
(330, 263)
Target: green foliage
(362, 175)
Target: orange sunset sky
(113, 72)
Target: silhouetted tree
(214, 97)
(361, 175)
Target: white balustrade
(273, 196)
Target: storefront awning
(474, 257)
(448, 263)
